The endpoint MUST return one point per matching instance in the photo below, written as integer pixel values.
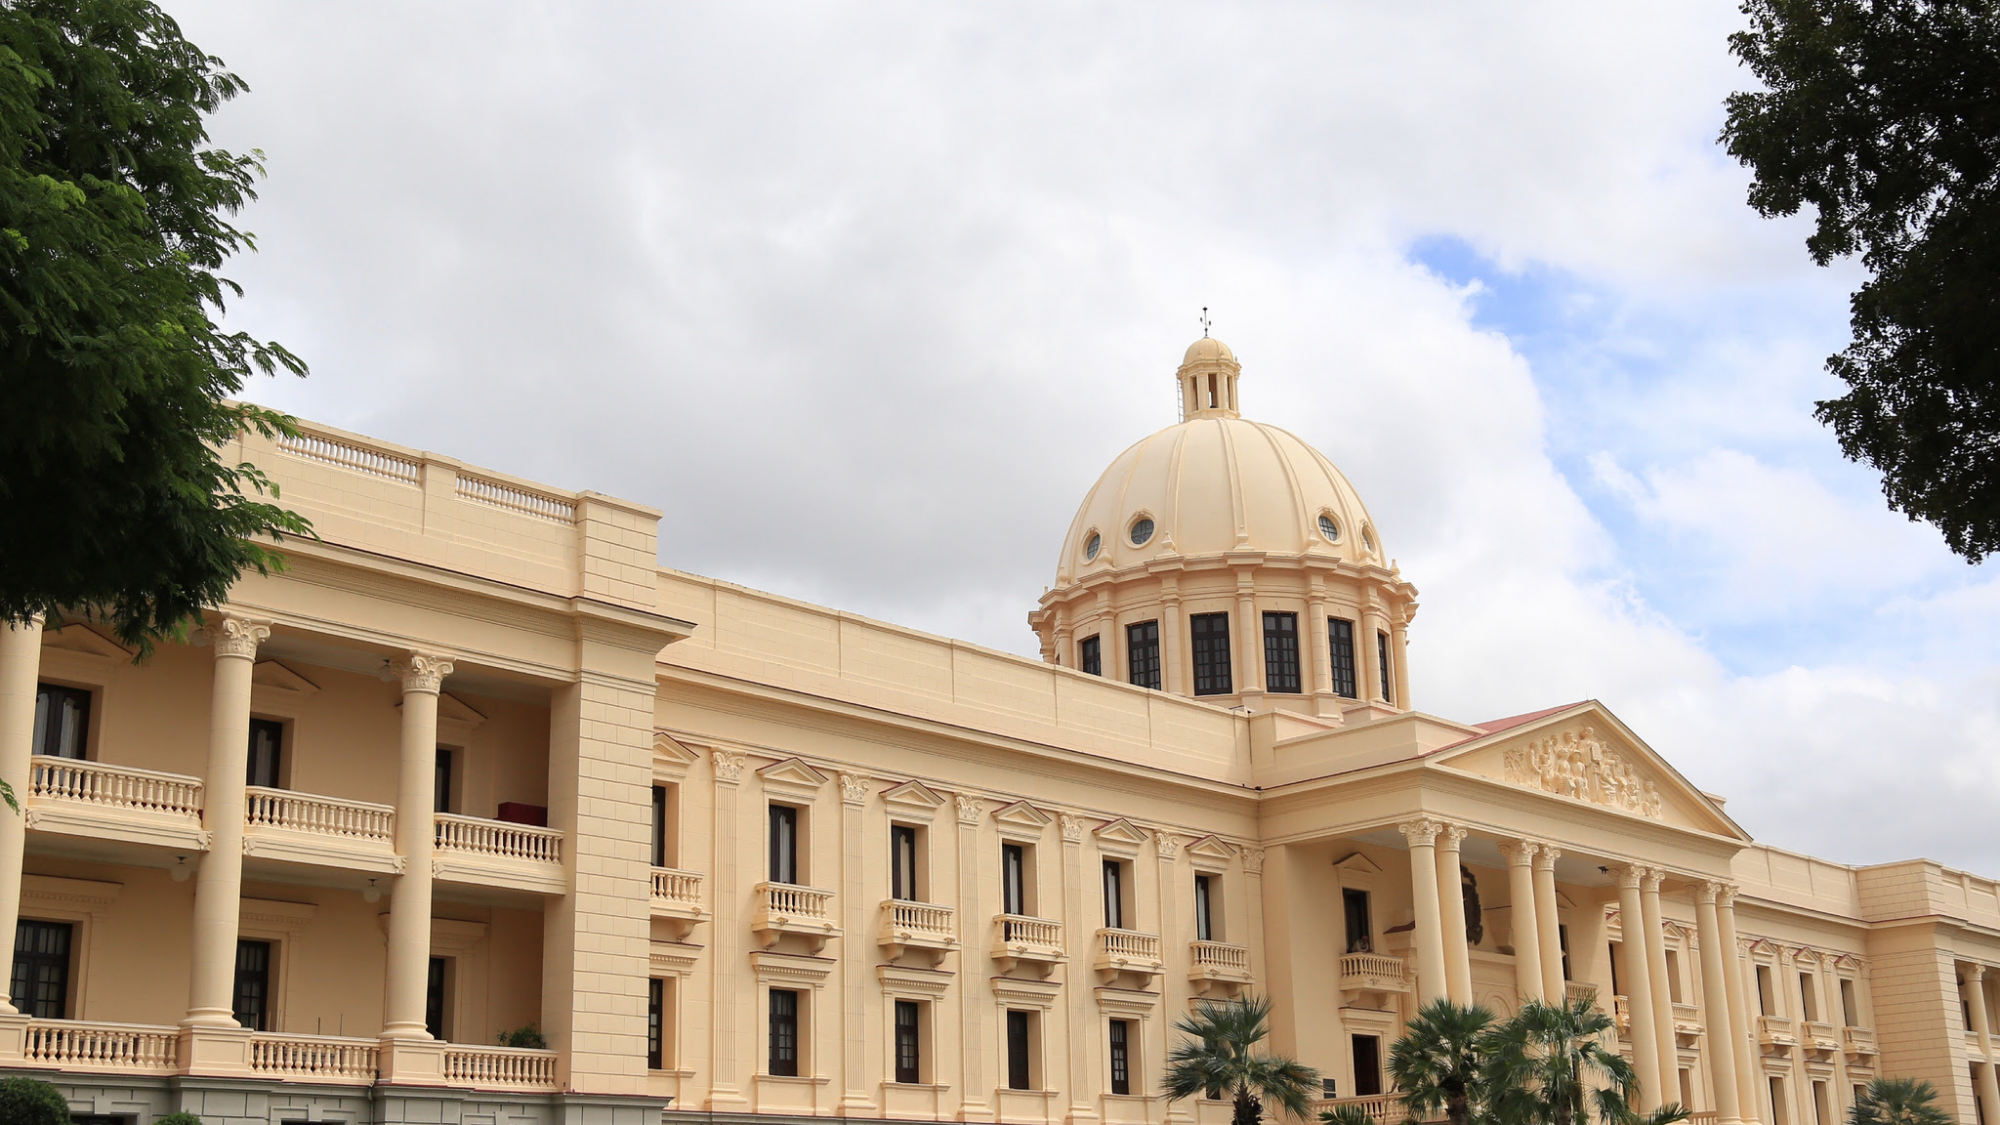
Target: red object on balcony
(514, 812)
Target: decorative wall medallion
(1576, 764)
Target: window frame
(1142, 654)
(265, 976)
(656, 1023)
(1208, 648)
(1017, 878)
(780, 1024)
(45, 733)
(1365, 941)
(1382, 660)
(445, 772)
(65, 962)
(783, 855)
(1204, 907)
(1118, 1053)
(1373, 1075)
(275, 777)
(1090, 655)
(1284, 671)
(1020, 1062)
(1116, 886)
(906, 1047)
(1346, 681)
(906, 871)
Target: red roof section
(1495, 726)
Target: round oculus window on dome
(1142, 530)
(1329, 528)
(1368, 540)
(1091, 546)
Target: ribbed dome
(1217, 484)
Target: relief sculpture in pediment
(1576, 764)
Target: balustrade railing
(319, 816)
(477, 836)
(1033, 933)
(315, 1058)
(76, 1045)
(495, 494)
(1220, 955)
(1375, 966)
(921, 920)
(347, 455)
(1128, 945)
(1621, 1013)
(1575, 990)
(500, 1068)
(789, 900)
(1858, 1040)
(677, 888)
(1385, 1109)
(114, 787)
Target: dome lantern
(1208, 377)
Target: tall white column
(20, 668)
(973, 1099)
(416, 805)
(1638, 982)
(1422, 835)
(1975, 1006)
(1520, 857)
(855, 971)
(1750, 1106)
(218, 888)
(1399, 653)
(1548, 923)
(1451, 912)
(1715, 1002)
(1663, 997)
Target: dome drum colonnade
(1224, 525)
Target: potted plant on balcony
(1220, 1056)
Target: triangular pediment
(86, 641)
(1212, 847)
(1585, 754)
(1121, 831)
(273, 676)
(670, 750)
(1021, 814)
(1358, 863)
(793, 776)
(913, 797)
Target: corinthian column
(1715, 1001)
(20, 667)
(1451, 911)
(1749, 1104)
(1520, 857)
(1975, 1006)
(1663, 996)
(1645, 1032)
(1422, 835)
(416, 807)
(218, 888)
(1548, 923)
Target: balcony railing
(917, 925)
(319, 816)
(1218, 961)
(1775, 1033)
(1127, 951)
(315, 1058)
(787, 908)
(1820, 1037)
(1018, 937)
(676, 888)
(1687, 1024)
(1621, 1014)
(471, 849)
(1574, 990)
(74, 782)
(1858, 1041)
(499, 1068)
(116, 1047)
(1377, 973)
(1384, 1109)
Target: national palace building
(475, 766)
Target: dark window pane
(252, 1000)
(1340, 638)
(1013, 879)
(1382, 660)
(907, 1059)
(441, 796)
(784, 1032)
(1367, 1066)
(1204, 927)
(659, 826)
(1210, 635)
(1090, 655)
(267, 745)
(656, 1004)
(62, 721)
(784, 844)
(1017, 1051)
(1360, 926)
(1114, 897)
(902, 862)
(1121, 1056)
(1281, 652)
(40, 986)
(1142, 654)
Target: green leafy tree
(1897, 1101)
(1349, 1114)
(1549, 1065)
(1439, 1060)
(1880, 114)
(1220, 1056)
(116, 379)
(31, 1101)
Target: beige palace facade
(475, 761)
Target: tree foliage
(1884, 116)
(1549, 1065)
(1221, 1056)
(1897, 1101)
(1439, 1061)
(116, 379)
(31, 1101)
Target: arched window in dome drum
(1210, 634)
(1142, 652)
(1281, 652)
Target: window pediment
(913, 800)
(792, 778)
(1357, 863)
(671, 756)
(1021, 820)
(1211, 854)
(1120, 838)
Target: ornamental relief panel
(1578, 765)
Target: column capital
(1654, 877)
(1974, 973)
(1708, 893)
(1628, 875)
(969, 808)
(1253, 861)
(238, 636)
(1072, 827)
(1421, 833)
(421, 671)
(853, 788)
(728, 766)
(1518, 853)
(1546, 856)
(1450, 836)
(1725, 895)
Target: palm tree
(1440, 1058)
(1220, 1056)
(1897, 1101)
(1549, 1066)
(1349, 1114)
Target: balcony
(1687, 1025)
(1217, 962)
(1383, 1109)
(1621, 1014)
(1018, 938)
(104, 802)
(499, 1068)
(1127, 951)
(315, 1058)
(1775, 1034)
(102, 1048)
(1858, 1042)
(787, 908)
(910, 925)
(1822, 1040)
(1575, 990)
(470, 849)
(677, 899)
(325, 831)
(1378, 975)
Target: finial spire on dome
(1208, 378)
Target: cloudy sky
(866, 296)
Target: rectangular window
(656, 1024)
(1615, 960)
(1778, 1115)
(1674, 975)
(784, 1033)
(267, 748)
(903, 862)
(1013, 879)
(1766, 1005)
(1090, 655)
(251, 1001)
(1142, 654)
(1360, 923)
(1281, 653)
(41, 969)
(909, 1056)
(1850, 1009)
(437, 995)
(1562, 940)
(1808, 1003)
(1367, 1066)
(1114, 895)
(1204, 918)
(1121, 1056)
(1382, 661)
(1822, 1112)
(441, 795)
(659, 826)
(785, 845)
(1210, 633)
(1340, 640)
(62, 721)
(1020, 1075)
